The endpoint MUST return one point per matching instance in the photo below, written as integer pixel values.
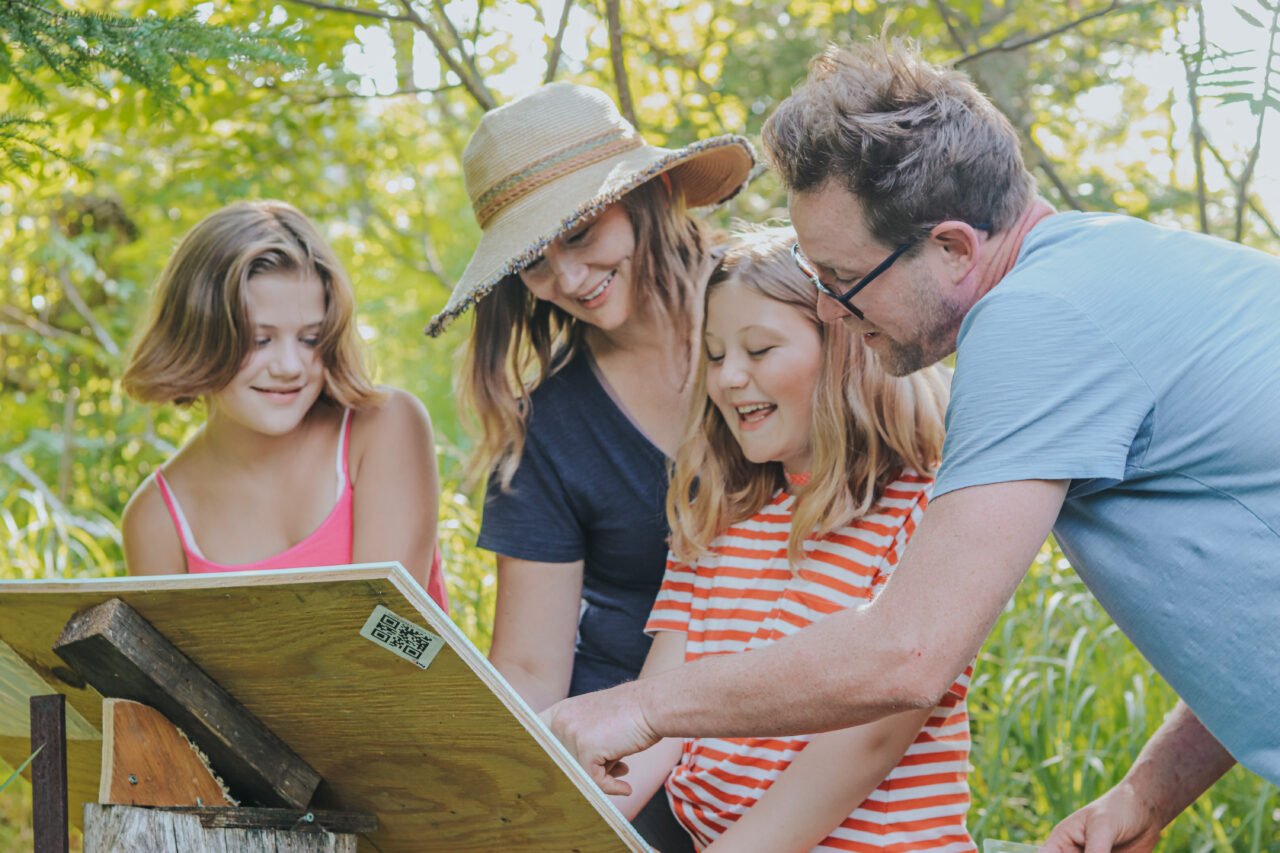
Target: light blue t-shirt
(1143, 364)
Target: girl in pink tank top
(301, 461)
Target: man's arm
(1177, 765)
(900, 653)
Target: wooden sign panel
(361, 675)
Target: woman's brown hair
(199, 332)
(518, 340)
(867, 425)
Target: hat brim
(709, 172)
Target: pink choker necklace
(798, 479)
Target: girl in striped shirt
(801, 476)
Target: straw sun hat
(538, 166)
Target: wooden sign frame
(447, 756)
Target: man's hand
(601, 729)
(1176, 766)
(1120, 820)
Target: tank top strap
(344, 442)
(185, 535)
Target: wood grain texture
(146, 761)
(123, 656)
(447, 758)
(49, 773)
(348, 823)
(111, 828)
(288, 819)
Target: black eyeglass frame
(846, 299)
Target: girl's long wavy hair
(867, 425)
(199, 332)
(518, 340)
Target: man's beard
(935, 334)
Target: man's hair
(915, 143)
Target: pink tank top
(330, 544)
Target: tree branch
(1242, 196)
(683, 60)
(348, 10)
(553, 62)
(340, 96)
(1017, 44)
(32, 324)
(467, 57)
(1193, 72)
(945, 13)
(1253, 204)
(614, 15)
(1046, 165)
(474, 86)
(82, 308)
(475, 31)
(1042, 159)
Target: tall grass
(45, 537)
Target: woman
(588, 283)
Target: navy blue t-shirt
(590, 487)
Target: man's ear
(960, 244)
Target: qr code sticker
(401, 636)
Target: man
(1115, 382)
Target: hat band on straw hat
(542, 172)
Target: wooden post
(49, 773)
(199, 830)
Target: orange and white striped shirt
(742, 595)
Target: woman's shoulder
(146, 505)
(397, 405)
(190, 466)
(151, 541)
(399, 418)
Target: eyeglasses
(845, 299)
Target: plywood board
(446, 757)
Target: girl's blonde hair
(199, 332)
(867, 425)
(518, 340)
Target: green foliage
(22, 139)
(43, 43)
(177, 115)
